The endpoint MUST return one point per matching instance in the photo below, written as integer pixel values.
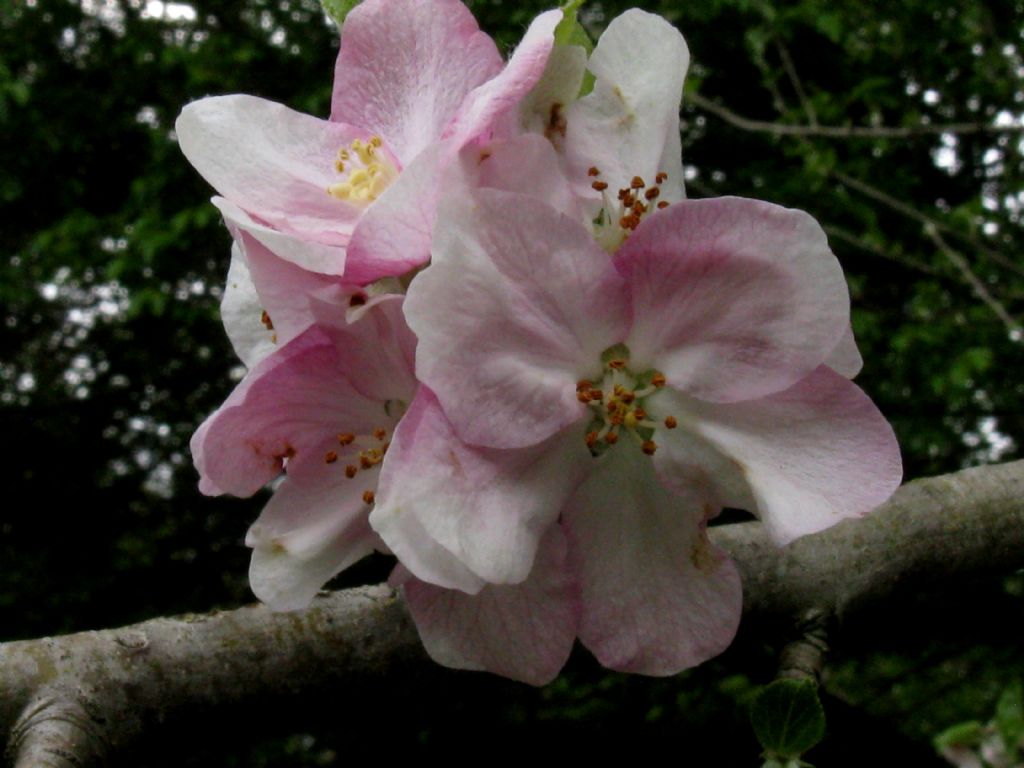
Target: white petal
(240, 310)
(629, 124)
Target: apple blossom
(320, 408)
(630, 118)
(619, 402)
(354, 196)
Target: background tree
(898, 126)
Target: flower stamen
(369, 172)
(617, 403)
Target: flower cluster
(486, 332)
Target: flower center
(362, 452)
(617, 403)
(621, 214)
(366, 171)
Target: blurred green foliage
(111, 351)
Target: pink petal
(271, 161)
(405, 67)
(629, 124)
(393, 237)
(845, 359)
(488, 508)
(427, 556)
(376, 349)
(524, 631)
(314, 526)
(313, 257)
(733, 299)
(484, 109)
(286, 406)
(282, 289)
(532, 302)
(527, 164)
(657, 596)
(812, 455)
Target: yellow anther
(368, 171)
(342, 190)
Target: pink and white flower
(630, 119)
(321, 409)
(618, 403)
(355, 195)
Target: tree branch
(960, 262)
(77, 699)
(845, 131)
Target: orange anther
(368, 497)
(330, 457)
(380, 433)
(658, 380)
(637, 183)
(649, 447)
(592, 171)
(652, 193)
(350, 471)
(591, 438)
(617, 364)
(600, 186)
(611, 438)
(670, 422)
(661, 177)
(346, 438)
(663, 204)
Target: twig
(838, 233)
(804, 657)
(924, 219)
(846, 131)
(796, 82)
(972, 279)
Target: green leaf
(1010, 716)
(566, 29)
(788, 718)
(570, 32)
(967, 734)
(338, 9)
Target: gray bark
(78, 699)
